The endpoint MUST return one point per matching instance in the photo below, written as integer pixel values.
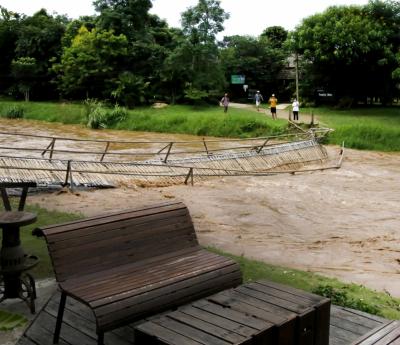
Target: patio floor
(346, 325)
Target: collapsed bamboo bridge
(75, 162)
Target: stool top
(17, 218)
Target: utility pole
(297, 77)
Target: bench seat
(134, 263)
(129, 291)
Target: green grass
(9, 321)
(373, 128)
(349, 295)
(183, 119)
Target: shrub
(97, 116)
(14, 112)
(340, 297)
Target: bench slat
(114, 284)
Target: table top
(17, 218)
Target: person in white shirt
(295, 109)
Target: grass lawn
(184, 119)
(373, 128)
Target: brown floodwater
(342, 223)
(121, 145)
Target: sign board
(238, 79)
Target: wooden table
(255, 313)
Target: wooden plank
(391, 338)
(144, 335)
(285, 326)
(126, 287)
(167, 297)
(342, 334)
(231, 326)
(208, 327)
(377, 334)
(349, 325)
(146, 277)
(233, 315)
(350, 318)
(111, 217)
(190, 332)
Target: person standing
(225, 102)
(258, 98)
(295, 109)
(273, 101)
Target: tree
(25, 71)
(9, 23)
(201, 24)
(350, 49)
(91, 65)
(276, 36)
(128, 17)
(255, 58)
(39, 37)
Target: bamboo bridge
(77, 162)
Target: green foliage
(98, 116)
(371, 128)
(339, 296)
(257, 59)
(9, 321)
(130, 89)
(351, 50)
(13, 112)
(91, 65)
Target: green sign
(238, 79)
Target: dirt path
(342, 223)
(282, 111)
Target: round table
(14, 262)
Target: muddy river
(342, 223)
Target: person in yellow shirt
(272, 102)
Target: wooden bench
(134, 263)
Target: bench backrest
(94, 244)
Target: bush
(97, 116)
(340, 297)
(14, 112)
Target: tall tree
(39, 37)
(128, 17)
(25, 72)
(91, 65)
(9, 24)
(351, 49)
(276, 36)
(201, 24)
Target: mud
(341, 223)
